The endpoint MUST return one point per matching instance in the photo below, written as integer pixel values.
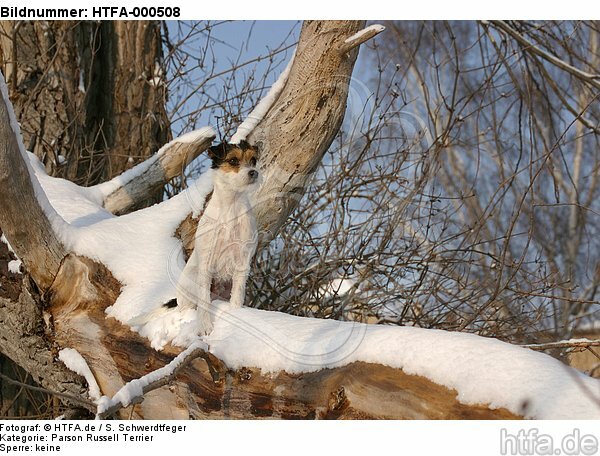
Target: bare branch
(593, 79)
(69, 397)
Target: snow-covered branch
(135, 184)
(134, 391)
(571, 343)
(263, 107)
(361, 37)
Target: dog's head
(235, 163)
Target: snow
(168, 326)
(125, 396)
(75, 362)
(481, 370)
(581, 340)
(81, 86)
(157, 78)
(5, 241)
(135, 388)
(196, 135)
(337, 287)
(263, 107)
(14, 266)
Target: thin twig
(88, 404)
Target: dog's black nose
(253, 174)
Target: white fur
(225, 243)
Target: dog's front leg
(238, 288)
(205, 325)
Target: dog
(225, 240)
(226, 237)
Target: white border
(352, 9)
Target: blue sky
(237, 41)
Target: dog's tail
(141, 320)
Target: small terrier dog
(226, 236)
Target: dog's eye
(253, 161)
(234, 162)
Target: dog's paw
(206, 329)
(236, 302)
(205, 325)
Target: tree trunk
(90, 100)
(25, 214)
(300, 127)
(91, 92)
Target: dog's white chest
(226, 239)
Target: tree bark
(91, 92)
(22, 218)
(300, 127)
(25, 337)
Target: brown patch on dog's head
(230, 158)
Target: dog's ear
(217, 152)
(244, 145)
